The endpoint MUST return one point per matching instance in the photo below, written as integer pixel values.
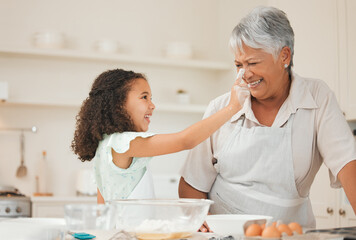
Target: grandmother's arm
(187, 191)
(347, 177)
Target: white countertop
(55, 228)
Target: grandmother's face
(266, 76)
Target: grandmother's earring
(285, 65)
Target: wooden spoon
(22, 170)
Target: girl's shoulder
(120, 142)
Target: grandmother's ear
(285, 55)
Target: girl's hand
(238, 95)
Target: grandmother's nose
(247, 74)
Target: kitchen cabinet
(330, 206)
(347, 51)
(53, 207)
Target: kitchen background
(177, 44)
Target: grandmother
(265, 159)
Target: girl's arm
(188, 138)
(100, 199)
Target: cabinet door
(48, 210)
(347, 48)
(324, 200)
(347, 217)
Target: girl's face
(139, 105)
(267, 76)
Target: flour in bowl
(159, 226)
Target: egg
(253, 230)
(283, 228)
(295, 227)
(263, 226)
(271, 232)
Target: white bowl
(161, 218)
(233, 224)
(106, 46)
(49, 39)
(179, 50)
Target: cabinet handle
(342, 212)
(330, 211)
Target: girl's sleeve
(120, 142)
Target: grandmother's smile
(254, 84)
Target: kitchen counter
(53, 207)
(71, 199)
(55, 228)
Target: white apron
(144, 188)
(256, 176)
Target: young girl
(112, 129)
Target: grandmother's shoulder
(317, 87)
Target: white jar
(179, 50)
(106, 46)
(49, 39)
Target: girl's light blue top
(114, 182)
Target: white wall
(142, 28)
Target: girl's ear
(285, 55)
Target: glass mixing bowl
(160, 218)
(88, 216)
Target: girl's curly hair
(103, 112)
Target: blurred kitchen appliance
(4, 91)
(13, 203)
(85, 184)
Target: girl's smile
(139, 105)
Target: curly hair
(103, 112)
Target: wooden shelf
(112, 57)
(160, 107)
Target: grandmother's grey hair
(266, 28)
